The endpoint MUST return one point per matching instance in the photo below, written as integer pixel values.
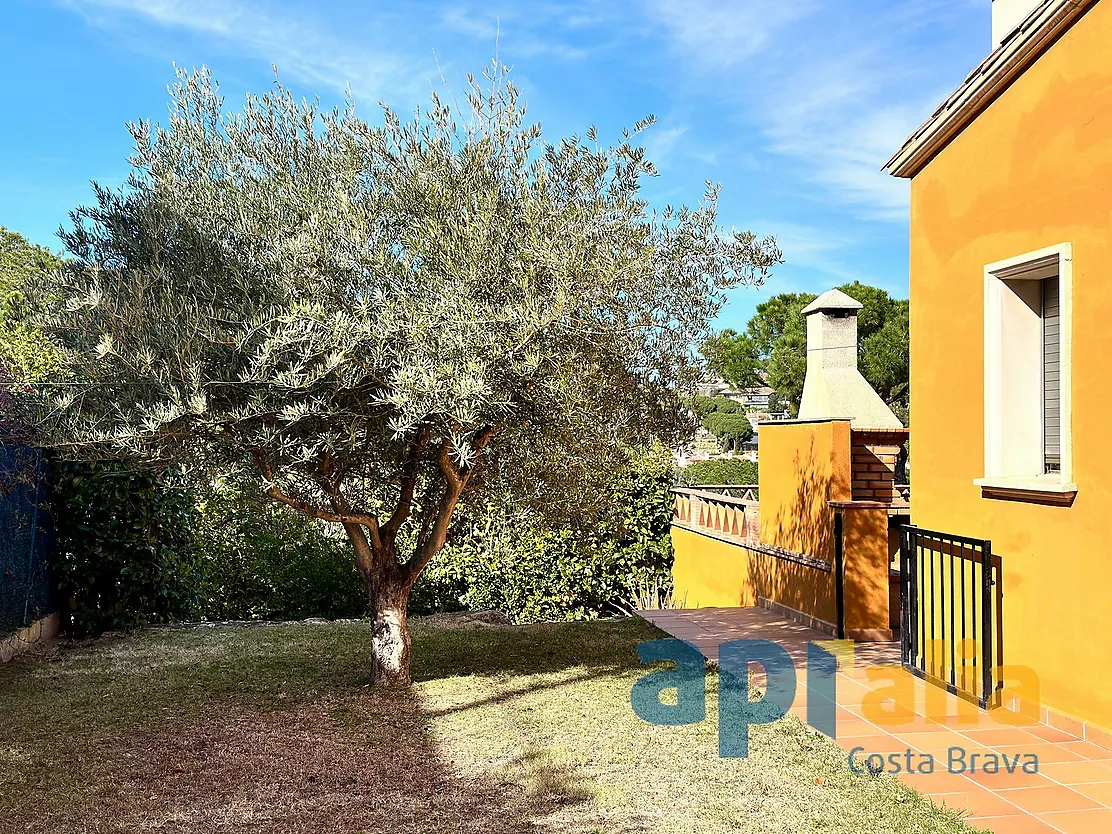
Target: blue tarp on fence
(26, 538)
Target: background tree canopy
(773, 348)
(25, 354)
(377, 322)
(722, 417)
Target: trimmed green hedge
(720, 471)
(263, 562)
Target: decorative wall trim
(757, 547)
(1048, 22)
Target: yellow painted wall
(711, 573)
(1034, 170)
(803, 467)
(865, 548)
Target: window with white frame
(1027, 372)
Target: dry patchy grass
(506, 730)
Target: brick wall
(873, 465)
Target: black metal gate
(950, 612)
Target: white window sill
(1051, 484)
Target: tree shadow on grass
(216, 734)
(294, 772)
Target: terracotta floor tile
(1051, 734)
(1100, 791)
(900, 724)
(1046, 753)
(1005, 780)
(995, 736)
(1043, 800)
(842, 714)
(1012, 825)
(914, 726)
(977, 802)
(850, 706)
(963, 723)
(1077, 773)
(855, 728)
(850, 695)
(1087, 750)
(1081, 822)
(883, 744)
(935, 741)
(1071, 794)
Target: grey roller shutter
(1052, 386)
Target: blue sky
(792, 105)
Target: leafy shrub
(138, 550)
(514, 561)
(261, 562)
(720, 471)
(124, 540)
(25, 354)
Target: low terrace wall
(801, 543)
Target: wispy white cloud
(295, 42)
(660, 143)
(822, 249)
(829, 90)
(841, 119)
(721, 34)
(539, 29)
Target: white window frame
(1013, 459)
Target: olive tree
(377, 321)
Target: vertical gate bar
(953, 609)
(912, 604)
(907, 578)
(928, 592)
(942, 604)
(904, 606)
(964, 613)
(976, 622)
(839, 576)
(920, 604)
(986, 616)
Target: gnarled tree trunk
(390, 640)
(389, 581)
(388, 585)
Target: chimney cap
(834, 301)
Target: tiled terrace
(1071, 793)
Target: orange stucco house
(1011, 339)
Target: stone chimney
(1007, 15)
(834, 388)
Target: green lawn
(272, 729)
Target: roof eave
(1021, 49)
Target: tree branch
(308, 509)
(455, 482)
(410, 471)
(340, 516)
